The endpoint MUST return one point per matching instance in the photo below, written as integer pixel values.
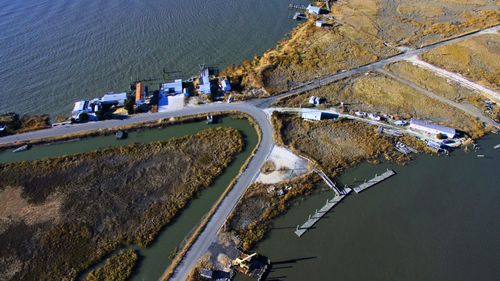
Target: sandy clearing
(288, 165)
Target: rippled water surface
(53, 52)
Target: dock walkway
(374, 181)
(329, 182)
(319, 214)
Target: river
(155, 259)
(53, 52)
(436, 219)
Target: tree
(129, 105)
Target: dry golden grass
(335, 145)
(475, 58)
(378, 93)
(404, 22)
(430, 81)
(440, 86)
(309, 52)
(15, 207)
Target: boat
(120, 135)
(22, 148)
(210, 119)
(480, 156)
(496, 146)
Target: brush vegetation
(116, 268)
(475, 58)
(78, 208)
(252, 217)
(16, 124)
(403, 22)
(308, 52)
(377, 93)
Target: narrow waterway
(155, 259)
(437, 219)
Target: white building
(319, 23)
(312, 115)
(318, 115)
(173, 87)
(117, 99)
(315, 10)
(431, 128)
(204, 81)
(314, 100)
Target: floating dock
(301, 229)
(374, 181)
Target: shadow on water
(292, 260)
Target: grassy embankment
(475, 58)
(402, 22)
(71, 211)
(308, 52)
(442, 87)
(377, 93)
(334, 146)
(117, 268)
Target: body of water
(437, 219)
(54, 52)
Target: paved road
(254, 108)
(134, 119)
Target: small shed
(314, 100)
(319, 23)
(315, 10)
(225, 85)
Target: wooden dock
(301, 229)
(374, 181)
(329, 182)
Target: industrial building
(111, 98)
(318, 115)
(174, 88)
(431, 128)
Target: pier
(319, 214)
(329, 182)
(374, 181)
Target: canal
(436, 219)
(155, 259)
